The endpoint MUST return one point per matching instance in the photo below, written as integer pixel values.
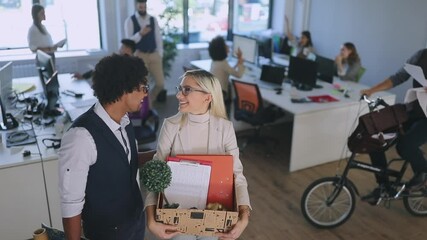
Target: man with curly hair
(98, 157)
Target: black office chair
(145, 125)
(188, 68)
(249, 108)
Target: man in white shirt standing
(145, 31)
(98, 160)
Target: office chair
(360, 73)
(249, 108)
(187, 68)
(145, 124)
(145, 156)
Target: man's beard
(142, 13)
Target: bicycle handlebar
(373, 104)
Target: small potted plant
(156, 176)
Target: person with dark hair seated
(302, 48)
(348, 62)
(98, 159)
(127, 48)
(221, 69)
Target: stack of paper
(221, 184)
(419, 94)
(189, 185)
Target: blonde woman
(200, 127)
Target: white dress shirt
(144, 21)
(37, 39)
(76, 155)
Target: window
(251, 15)
(206, 19)
(79, 20)
(64, 19)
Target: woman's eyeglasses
(185, 90)
(144, 88)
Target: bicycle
(330, 201)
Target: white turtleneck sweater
(199, 124)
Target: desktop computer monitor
(49, 81)
(7, 121)
(325, 69)
(265, 48)
(303, 73)
(248, 46)
(283, 46)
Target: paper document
(417, 93)
(189, 185)
(417, 73)
(221, 184)
(23, 87)
(61, 43)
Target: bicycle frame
(355, 164)
(330, 201)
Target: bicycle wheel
(325, 204)
(416, 204)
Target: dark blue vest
(147, 44)
(112, 196)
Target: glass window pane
(207, 19)
(16, 19)
(157, 8)
(251, 15)
(64, 19)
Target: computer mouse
(278, 90)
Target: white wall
(385, 32)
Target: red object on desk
(221, 183)
(323, 99)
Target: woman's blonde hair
(211, 85)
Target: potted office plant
(156, 176)
(170, 36)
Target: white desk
(23, 205)
(320, 130)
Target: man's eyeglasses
(144, 88)
(185, 90)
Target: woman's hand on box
(238, 229)
(163, 231)
(160, 230)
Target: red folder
(221, 183)
(322, 98)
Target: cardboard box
(195, 221)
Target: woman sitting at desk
(221, 69)
(348, 62)
(302, 48)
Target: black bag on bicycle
(375, 130)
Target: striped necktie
(124, 141)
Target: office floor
(275, 196)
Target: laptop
(271, 77)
